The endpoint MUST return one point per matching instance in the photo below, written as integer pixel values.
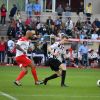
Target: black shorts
(53, 63)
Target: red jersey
(24, 44)
(2, 46)
(22, 59)
(3, 11)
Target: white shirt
(24, 44)
(93, 55)
(76, 55)
(94, 36)
(69, 25)
(57, 48)
(11, 45)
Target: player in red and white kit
(23, 61)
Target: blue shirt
(29, 7)
(83, 49)
(37, 7)
(97, 23)
(58, 22)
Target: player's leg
(54, 65)
(21, 75)
(63, 75)
(53, 76)
(34, 74)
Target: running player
(23, 61)
(55, 61)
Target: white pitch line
(8, 96)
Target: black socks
(50, 77)
(63, 77)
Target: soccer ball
(98, 83)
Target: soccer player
(55, 61)
(23, 61)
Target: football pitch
(81, 82)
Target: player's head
(29, 34)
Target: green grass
(82, 85)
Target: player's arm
(20, 49)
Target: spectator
(2, 50)
(39, 28)
(62, 29)
(67, 10)
(44, 49)
(76, 58)
(10, 51)
(87, 27)
(37, 9)
(80, 8)
(58, 22)
(83, 50)
(29, 9)
(12, 29)
(94, 35)
(60, 11)
(92, 58)
(18, 15)
(13, 12)
(20, 31)
(82, 34)
(3, 14)
(69, 26)
(75, 32)
(37, 59)
(88, 10)
(79, 25)
(49, 23)
(96, 23)
(28, 21)
(43, 29)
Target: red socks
(21, 75)
(33, 70)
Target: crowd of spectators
(83, 56)
(80, 29)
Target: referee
(55, 61)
